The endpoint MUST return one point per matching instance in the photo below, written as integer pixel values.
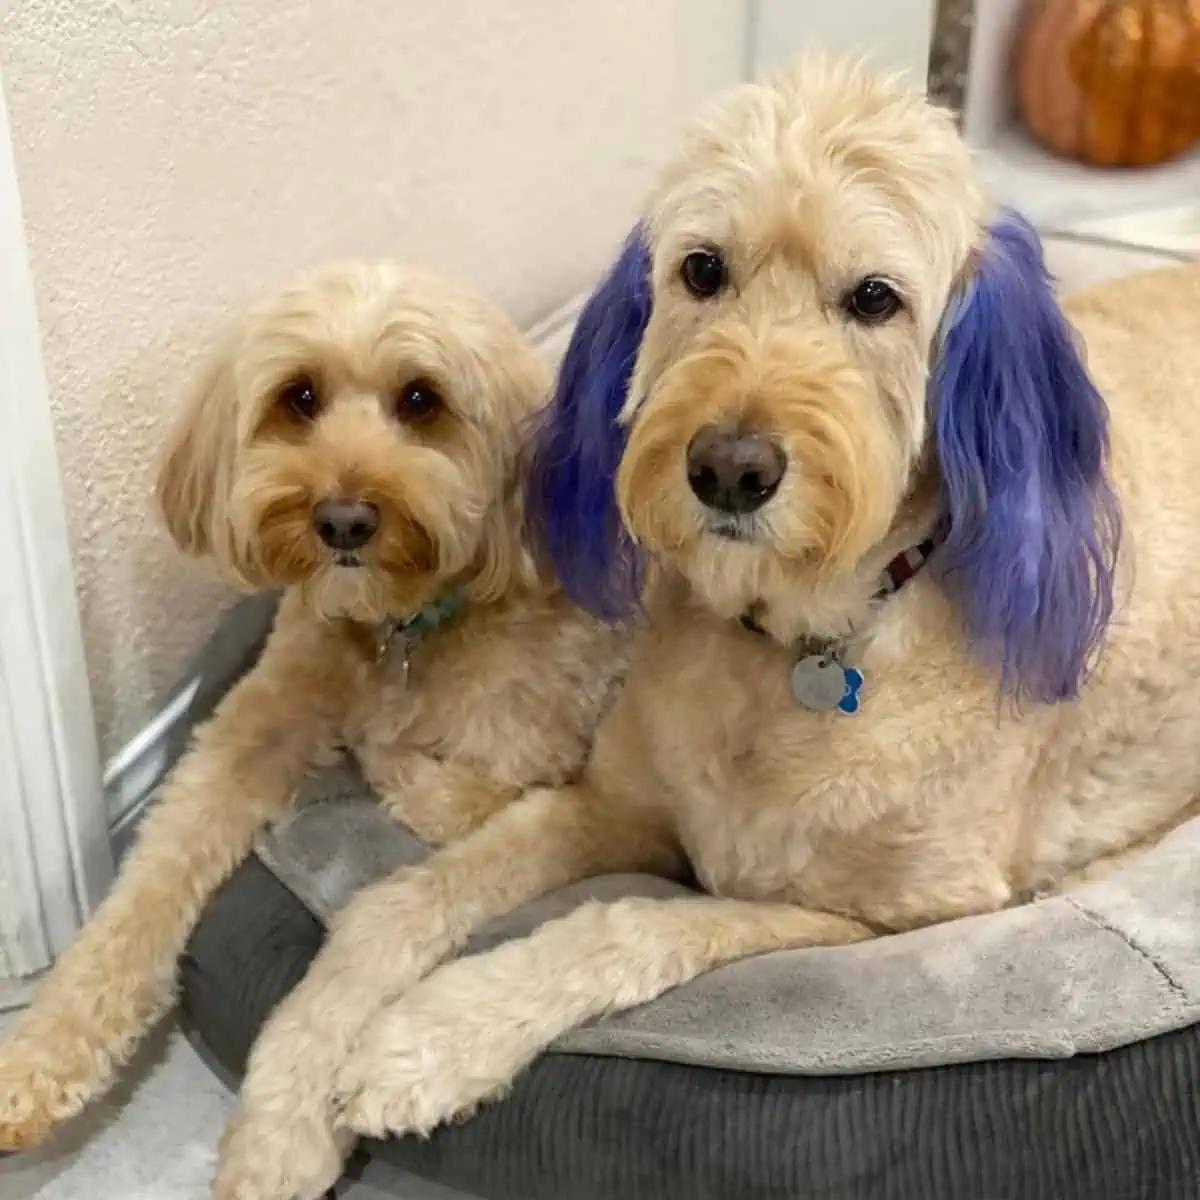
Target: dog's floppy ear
(1022, 440)
(506, 559)
(195, 470)
(571, 499)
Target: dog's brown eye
(300, 398)
(873, 302)
(417, 401)
(704, 273)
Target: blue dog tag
(849, 702)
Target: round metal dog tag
(818, 683)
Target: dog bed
(1047, 1051)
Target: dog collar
(412, 630)
(820, 680)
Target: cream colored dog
(356, 443)
(822, 360)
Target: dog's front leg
(459, 1038)
(117, 978)
(282, 1142)
(439, 801)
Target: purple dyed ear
(570, 496)
(1022, 437)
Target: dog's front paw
(424, 1061)
(39, 1090)
(292, 1155)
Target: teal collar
(413, 629)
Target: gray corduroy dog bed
(845, 1053)
(1112, 963)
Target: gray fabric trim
(1113, 963)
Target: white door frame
(55, 860)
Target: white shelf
(1051, 191)
(1054, 191)
(1174, 230)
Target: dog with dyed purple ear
(826, 436)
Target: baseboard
(134, 773)
(16, 993)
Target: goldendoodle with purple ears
(826, 426)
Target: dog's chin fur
(244, 472)
(356, 594)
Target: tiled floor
(154, 1140)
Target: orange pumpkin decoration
(1111, 82)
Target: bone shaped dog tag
(818, 682)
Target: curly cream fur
(938, 800)
(504, 697)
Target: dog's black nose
(345, 524)
(734, 472)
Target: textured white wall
(894, 34)
(177, 156)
